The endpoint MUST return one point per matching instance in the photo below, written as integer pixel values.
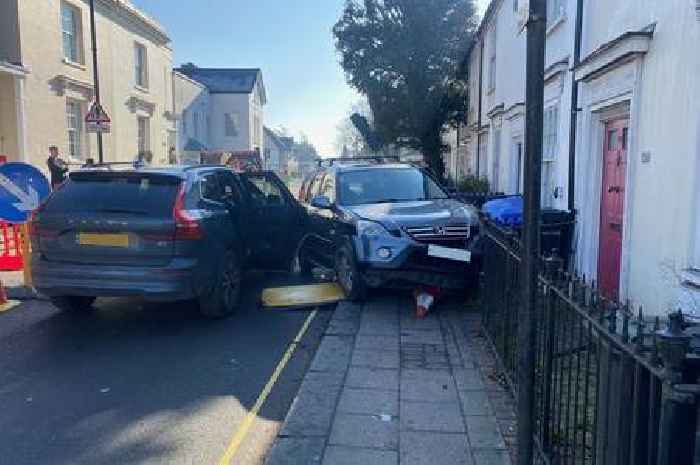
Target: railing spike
(640, 329)
(625, 327)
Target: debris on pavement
(302, 296)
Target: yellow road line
(243, 429)
(9, 305)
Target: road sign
(22, 188)
(97, 119)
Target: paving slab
(372, 378)
(483, 432)
(475, 403)
(492, 457)
(347, 311)
(469, 379)
(364, 431)
(342, 327)
(377, 342)
(369, 402)
(311, 413)
(431, 416)
(339, 455)
(333, 354)
(374, 359)
(422, 448)
(428, 386)
(433, 337)
(296, 451)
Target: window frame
(76, 34)
(75, 146)
(493, 52)
(146, 137)
(496, 160)
(560, 6)
(550, 153)
(140, 65)
(234, 120)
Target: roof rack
(376, 159)
(89, 164)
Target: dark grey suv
(387, 224)
(162, 234)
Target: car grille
(440, 234)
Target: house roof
(277, 140)
(226, 80)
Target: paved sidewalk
(387, 389)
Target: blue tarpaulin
(506, 212)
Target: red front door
(612, 206)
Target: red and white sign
(97, 119)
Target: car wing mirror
(321, 202)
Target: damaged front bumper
(389, 261)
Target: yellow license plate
(104, 240)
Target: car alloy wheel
(348, 274)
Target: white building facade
(193, 112)
(637, 144)
(236, 101)
(46, 81)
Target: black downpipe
(574, 105)
(478, 120)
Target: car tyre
(223, 298)
(73, 303)
(305, 266)
(348, 274)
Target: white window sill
(556, 23)
(74, 64)
(141, 89)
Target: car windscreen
(378, 185)
(120, 193)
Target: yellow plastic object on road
(302, 296)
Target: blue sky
(290, 41)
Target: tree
(408, 57)
(348, 139)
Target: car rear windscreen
(119, 193)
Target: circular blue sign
(22, 188)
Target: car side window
(266, 192)
(230, 187)
(328, 187)
(211, 188)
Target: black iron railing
(611, 388)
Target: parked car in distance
(387, 224)
(164, 234)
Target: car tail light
(187, 226)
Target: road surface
(138, 383)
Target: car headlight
(371, 229)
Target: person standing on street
(57, 167)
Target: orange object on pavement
(425, 298)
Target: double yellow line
(244, 428)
